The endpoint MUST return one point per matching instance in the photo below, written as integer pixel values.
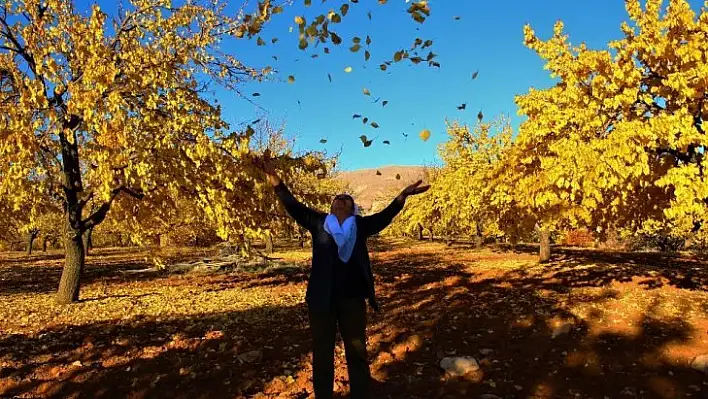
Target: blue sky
(488, 37)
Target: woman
(340, 281)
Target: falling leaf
(255, 122)
(386, 142)
(299, 20)
(326, 50)
(398, 176)
(314, 55)
(378, 173)
(348, 69)
(368, 40)
(368, 14)
(416, 60)
(365, 120)
(329, 77)
(427, 43)
(291, 79)
(456, 17)
(383, 104)
(405, 135)
(462, 107)
(260, 41)
(356, 116)
(356, 39)
(367, 55)
(425, 134)
(355, 48)
(377, 100)
(256, 94)
(474, 75)
(383, 67)
(274, 40)
(323, 141)
(480, 115)
(366, 91)
(374, 125)
(365, 140)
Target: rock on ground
(459, 365)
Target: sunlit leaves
(366, 91)
(348, 69)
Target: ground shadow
(430, 309)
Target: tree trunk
(431, 234)
(545, 247)
(87, 241)
(45, 240)
(69, 284)
(269, 244)
(420, 232)
(478, 237)
(30, 241)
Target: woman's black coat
(324, 250)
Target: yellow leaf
(425, 134)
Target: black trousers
(350, 315)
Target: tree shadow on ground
(41, 273)
(430, 309)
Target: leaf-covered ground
(587, 325)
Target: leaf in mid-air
(425, 134)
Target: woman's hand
(413, 189)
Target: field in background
(587, 324)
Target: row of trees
(616, 146)
(113, 114)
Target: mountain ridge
(373, 192)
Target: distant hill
(372, 192)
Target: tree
(618, 142)
(458, 203)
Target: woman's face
(343, 205)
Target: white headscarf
(345, 234)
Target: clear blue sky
(488, 37)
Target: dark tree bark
(45, 240)
(88, 244)
(478, 237)
(420, 232)
(31, 236)
(545, 247)
(269, 244)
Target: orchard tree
(459, 201)
(619, 141)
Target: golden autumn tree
(459, 201)
(92, 107)
(619, 141)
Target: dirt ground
(586, 325)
